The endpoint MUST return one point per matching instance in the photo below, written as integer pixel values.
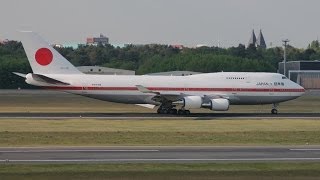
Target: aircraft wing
(216, 96)
(171, 97)
(161, 97)
(145, 90)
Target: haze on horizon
(187, 22)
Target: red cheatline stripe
(173, 89)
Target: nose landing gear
(274, 109)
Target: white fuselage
(239, 88)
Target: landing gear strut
(274, 109)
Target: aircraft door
(84, 87)
(271, 89)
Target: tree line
(157, 58)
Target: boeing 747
(171, 94)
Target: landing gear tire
(187, 112)
(166, 111)
(183, 112)
(274, 111)
(162, 111)
(173, 111)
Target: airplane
(171, 94)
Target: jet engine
(196, 102)
(219, 104)
(192, 102)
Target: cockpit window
(283, 77)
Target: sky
(187, 22)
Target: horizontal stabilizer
(41, 78)
(20, 74)
(45, 79)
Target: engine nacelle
(219, 104)
(192, 102)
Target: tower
(260, 41)
(253, 39)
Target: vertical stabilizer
(43, 58)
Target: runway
(126, 116)
(172, 154)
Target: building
(174, 73)
(98, 40)
(104, 70)
(305, 73)
(260, 42)
(177, 46)
(4, 41)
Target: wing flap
(150, 106)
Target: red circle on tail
(44, 56)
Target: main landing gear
(274, 109)
(183, 112)
(172, 110)
(166, 111)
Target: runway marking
(304, 149)
(77, 150)
(152, 117)
(112, 118)
(158, 160)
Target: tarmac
(163, 154)
(137, 116)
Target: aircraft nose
(301, 89)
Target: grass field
(84, 132)
(308, 171)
